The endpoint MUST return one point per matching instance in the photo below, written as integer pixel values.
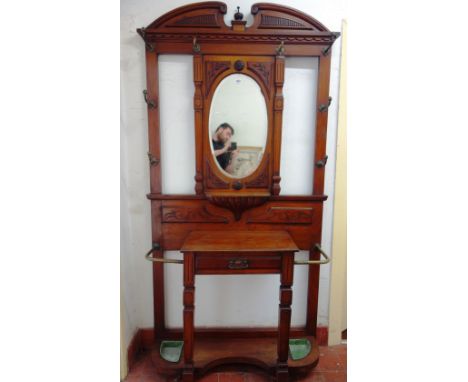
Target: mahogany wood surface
(249, 215)
(189, 308)
(302, 220)
(239, 263)
(238, 241)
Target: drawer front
(237, 264)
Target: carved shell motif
(237, 204)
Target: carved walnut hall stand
(234, 225)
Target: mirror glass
(238, 125)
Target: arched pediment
(272, 22)
(274, 16)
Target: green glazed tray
(299, 348)
(171, 350)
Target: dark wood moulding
(278, 198)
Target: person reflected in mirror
(224, 150)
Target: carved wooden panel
(263, 70)
(212, 180)
(262, 179)
(190, 214)
(281, 215)
(237, 204)
(212, 70)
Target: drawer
(211, 264)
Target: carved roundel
(239, 65)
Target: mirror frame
(209, 127)
(217, 68)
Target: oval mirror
(238, 125)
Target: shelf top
(238, 241)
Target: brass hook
(326, 50)
(152, 159)
(280, 49)
(324, 107)
(322, 162)
(196, 47)
(142, 33)
(149, 102)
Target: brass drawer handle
(238, 264)
(156, 247)
(312, 262)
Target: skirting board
(144, 339)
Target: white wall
(135, 208)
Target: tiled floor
(331, 368)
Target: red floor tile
(335, 376)
(256, 377)
(133, 378)
(211, 377)
(340, 349)
(231, 377)
(330, 362)
(313, 377)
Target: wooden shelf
(210, 353)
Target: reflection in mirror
(238, 125)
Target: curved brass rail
(312, 262)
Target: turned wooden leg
(189, 308)
(284, 319)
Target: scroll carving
(261, 180)
(284, 215)
(212, 180)
(213, 69)
(178, 214)
(263, 70)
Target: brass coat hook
(280, 49)
(322, 162)
(196, 46)
(142, 33)
(151, 104)
(324, 107)
(152, 159)
(326, 50)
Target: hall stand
(237, 225)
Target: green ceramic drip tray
(171, 350)
(299, 348)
